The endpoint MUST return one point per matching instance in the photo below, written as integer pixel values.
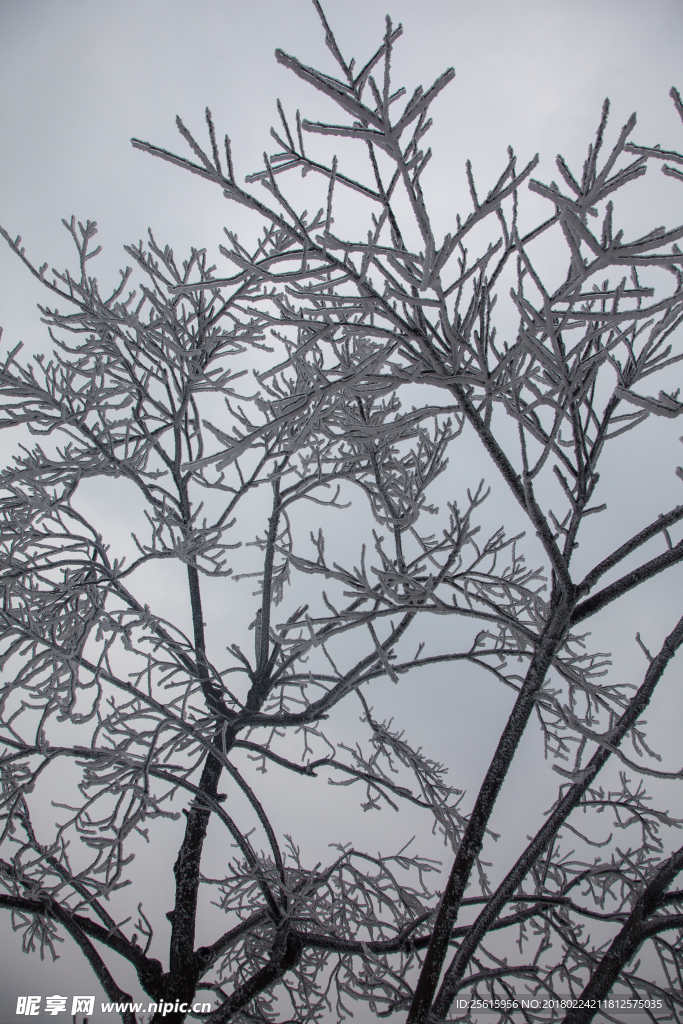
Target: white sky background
(78, 78)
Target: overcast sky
(78, 78)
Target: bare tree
(216, 400)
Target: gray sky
(78, 78)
